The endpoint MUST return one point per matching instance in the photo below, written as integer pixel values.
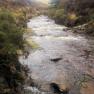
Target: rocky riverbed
(64, 61)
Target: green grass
(32, 44)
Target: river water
(63, 58)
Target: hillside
(12, 26)
(73, 13)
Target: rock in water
(56, 59)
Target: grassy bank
(12, 27)
(73, 13)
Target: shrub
(11, 39)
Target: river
(63, 58)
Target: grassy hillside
(73, 12)
(12, 26)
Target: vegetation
(32, 44)
(72, 12)
(12, 73)
(13, 17)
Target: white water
(56, 43)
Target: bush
(11, 39)
(59, 14)
(73, 12)
(9, 31)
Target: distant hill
(30, 3)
